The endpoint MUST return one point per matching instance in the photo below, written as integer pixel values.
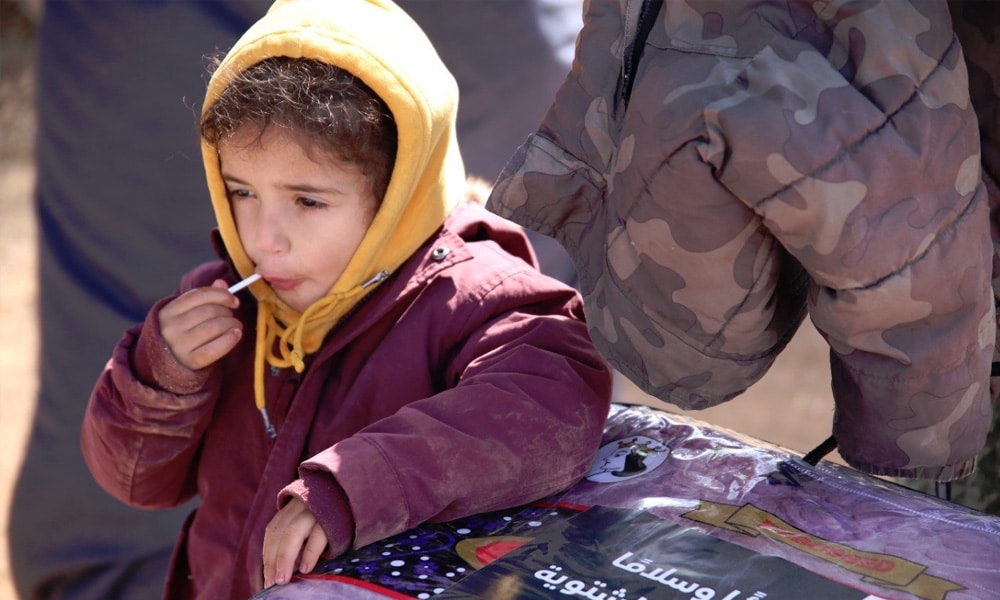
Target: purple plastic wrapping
(861, 531)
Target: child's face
(299, 220)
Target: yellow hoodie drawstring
(258, 370)
(294, 342)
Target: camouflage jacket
(761, 160)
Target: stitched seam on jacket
(870, 135)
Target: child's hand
(293, 534)
(199, 326)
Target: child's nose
(270, 233)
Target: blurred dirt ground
(790, 407)
(18, 289)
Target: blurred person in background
(706, 221)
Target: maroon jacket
(464, 384)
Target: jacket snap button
(275, 371)
(439, 253)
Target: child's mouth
(283, 285)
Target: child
(400, 361)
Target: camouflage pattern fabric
(977, 25)
(774, 158)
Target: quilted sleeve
(862, 158)
(772, 161)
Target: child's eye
(310, 202)
(239, 194)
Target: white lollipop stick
(242, 284)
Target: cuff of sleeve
(329, 504)
(155, 364)
(943, 473)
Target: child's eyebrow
(292, 187)
(228, 177)
(308, 189)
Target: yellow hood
(379, 43)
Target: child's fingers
(214, 349)
(313, 549)
(199, 326)
(214, 295)
(197, 317)
(285, 539)
(278, 564)
(202, 336)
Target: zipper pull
(268, 427)
(376, 278)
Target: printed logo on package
(626, 554)
(878, 568)
(627, 458)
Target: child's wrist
(328, 502)
(156, 366)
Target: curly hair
(326, 105)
